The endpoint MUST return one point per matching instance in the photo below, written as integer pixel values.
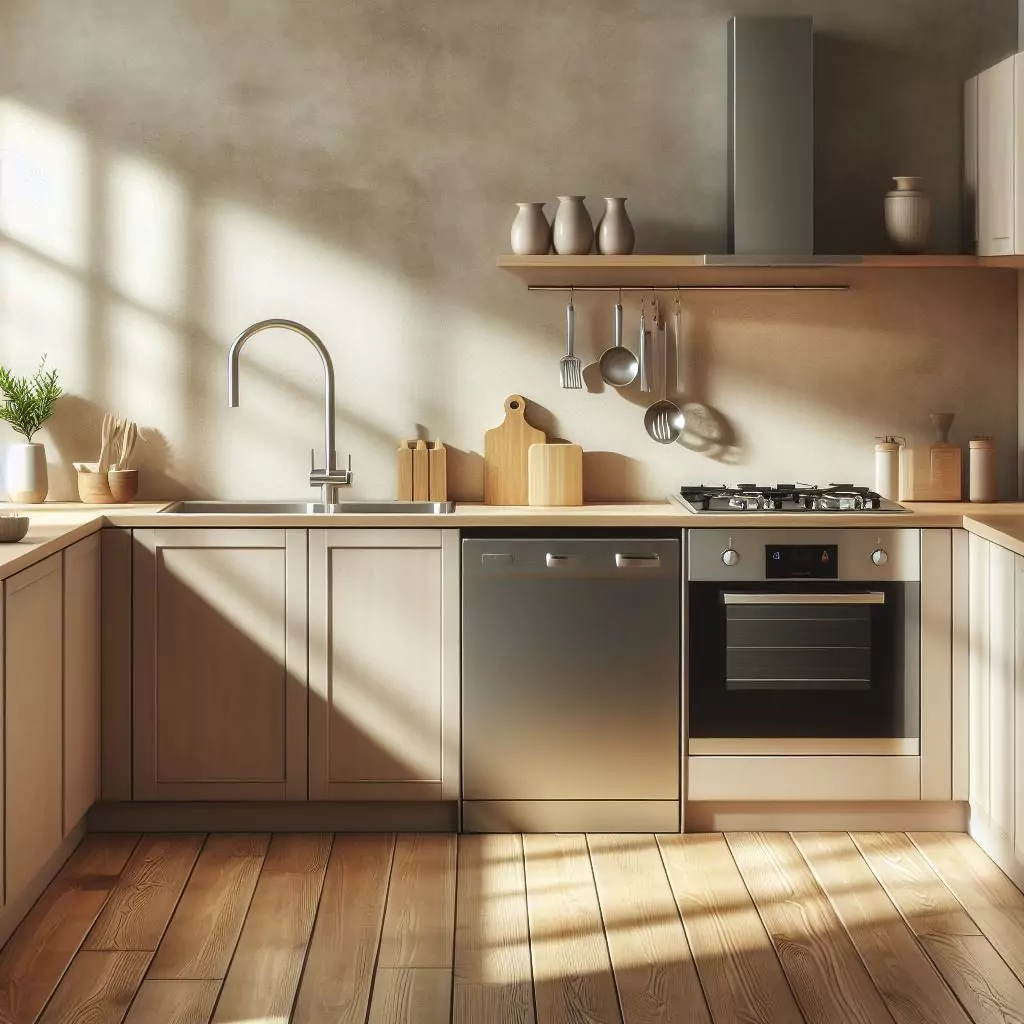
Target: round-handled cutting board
(506, 456)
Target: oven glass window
(804, 659)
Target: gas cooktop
(792, 498)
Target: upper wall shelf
(695, 271)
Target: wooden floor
(567, 929)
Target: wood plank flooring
(743, 928)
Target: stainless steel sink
(292, 508)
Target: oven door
(786, 667)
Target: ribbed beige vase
(908, 216)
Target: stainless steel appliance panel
(771, 135)
(571, 669)
(901, 550)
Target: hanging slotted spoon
(664, 421)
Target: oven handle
(869, 597)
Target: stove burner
(786, 498)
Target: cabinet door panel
(81, 679)
(1018, 694)
(971, 164)
(385, 682)
(34, 681)
(979, 675)
(380, 660)
(996, 172)
(1001, 673)
(220, 665)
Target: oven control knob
(730, 556)
(880, 556)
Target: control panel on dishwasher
(804, 635)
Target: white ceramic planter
(25, 474)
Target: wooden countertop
(55, 525)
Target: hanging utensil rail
(690, 288)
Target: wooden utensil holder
(422, 471)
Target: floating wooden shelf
(695, 271)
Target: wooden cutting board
(506, 456)
(556, 475)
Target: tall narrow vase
(615, 234)
(531, 233)
(25, 474)
(574, 230)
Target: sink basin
(292, 508)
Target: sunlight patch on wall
(44, 184)
(146, 234)
(147, 370)
(42, 310)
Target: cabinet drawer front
(803, 778)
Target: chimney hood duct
(771, 143)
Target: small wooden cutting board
(507, 454)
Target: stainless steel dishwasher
(571, 683)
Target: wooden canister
(556, 475)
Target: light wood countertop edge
(58, 525)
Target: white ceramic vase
(615, 234)
(531, 232)
(574, 230)
(908, 216)
(25, 474)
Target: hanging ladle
(664, 421)
(619, 366)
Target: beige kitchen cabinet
(996, 704)
(81, 679)
(384, 665)
(993, 151)
(33, 761)
(219, 664)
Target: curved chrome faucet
(330, 478)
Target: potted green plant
(27, 403)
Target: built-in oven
(803, 641)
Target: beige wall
(173, 171)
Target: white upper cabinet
(993, 173)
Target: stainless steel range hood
(771, 145)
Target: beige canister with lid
(982, 469)
(887, 467)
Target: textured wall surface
(176, 169)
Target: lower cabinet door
(81, 679)
(384, 665)
(33, 762)
(220, 664)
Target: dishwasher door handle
(637, 561)
(561, 561)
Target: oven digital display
(801, 561)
